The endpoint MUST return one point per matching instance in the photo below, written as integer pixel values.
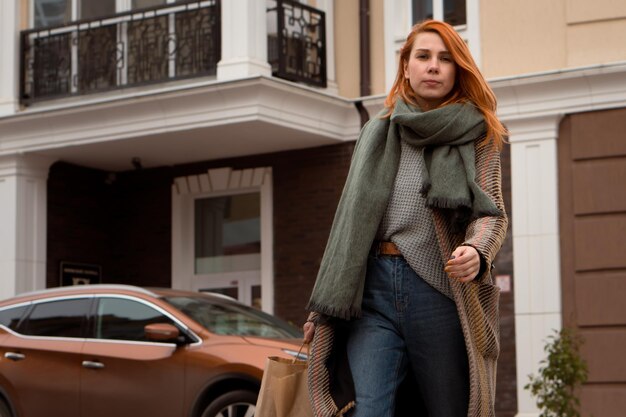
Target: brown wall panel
(601, 298)
(603, 349)
(600, 242)
(603, 401)
(599, 134)
(592, 210)
(600, 186)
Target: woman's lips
(431, 83)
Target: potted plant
(560, 374)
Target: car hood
(275, 343)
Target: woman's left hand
(464, 264)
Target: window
(228, 233)
(10, 317)
(52, 12)
(58, 12)
(63, 318)
(228, 318)
(123, 319)
(142, 4)
(451, 11)
(422, 10)
(91, 9)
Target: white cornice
(296, 117)
(25, 166)
(556, 93)
(259, 114)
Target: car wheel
(240, 403)
(4, 409)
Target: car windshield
(225, 317)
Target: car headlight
(298, 355)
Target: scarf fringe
(334, 311)
(446, 203)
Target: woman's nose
(433, 65)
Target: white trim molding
(532, 107)
(220, 181)
(258, 114)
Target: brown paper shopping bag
(284, 390)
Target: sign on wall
(80, 274)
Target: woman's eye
(422, 56)
(446, 59)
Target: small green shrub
(560, 374)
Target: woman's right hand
(309, 331)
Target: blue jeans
(406, 323)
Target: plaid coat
(477, 304)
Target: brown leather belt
(388, 249)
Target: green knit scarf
(447, 134)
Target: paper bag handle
(308, 351)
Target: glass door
(227, 246)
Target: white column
(10, 56)
(23, 212)
(244, 40)
(536, 256)
(472, 33)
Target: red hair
(469, 86)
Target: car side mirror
(162, 332)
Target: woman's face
(430, 70)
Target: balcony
(296, 44)
(158, 45)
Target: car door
(123, 373)
(41, 358)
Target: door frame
(214, 183)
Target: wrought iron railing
(159, 44)
(129, 49)
(297, 42)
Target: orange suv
(116, 350)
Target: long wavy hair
(469, 85)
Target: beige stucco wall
(521, 36)
(24, 4)
(596, 42)
(347, 47)
(538, 35)
(377, 46)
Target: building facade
(559, 71)
(203, 145)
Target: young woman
(405, 283)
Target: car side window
(10, 317)
(62, 318)
(123, 319)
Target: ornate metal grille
(52, 63)
(192, 28)
(96, 68)
(148, 46)
(148, 43)
(297, 51)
